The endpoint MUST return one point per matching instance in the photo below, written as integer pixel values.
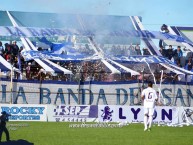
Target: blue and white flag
(32, 54)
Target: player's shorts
(149, 111)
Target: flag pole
(11, 86)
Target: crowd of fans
(82, 71)
(177, 56)
(90, 70)
(125, 50)
(10, 52)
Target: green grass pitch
(59, 133)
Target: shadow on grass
(16, 142)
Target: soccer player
(149, 96)
(3, 120)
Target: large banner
(44, 32)
(94, 113)
(135, 114)
(25, 112)
(78, 113)
(90, 93)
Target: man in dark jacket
(4, 119)
(170, 52)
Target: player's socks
(145, 123)
(150, 121)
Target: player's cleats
(149, 129)
(145, 129)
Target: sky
(154, 13)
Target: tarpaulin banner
(186, 115)
(25, 112)
(117, 113)
(93, 93)
(78, 113)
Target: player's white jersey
(149, 97)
